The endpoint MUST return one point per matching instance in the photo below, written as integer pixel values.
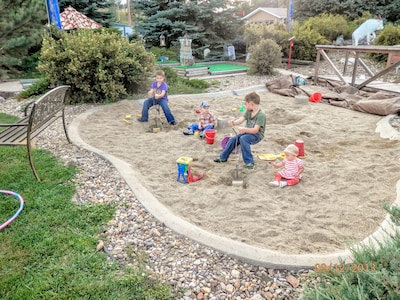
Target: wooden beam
(357, 50)
(381, 73)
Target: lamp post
(128, 9)
(290, 50)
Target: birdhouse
(162, 41)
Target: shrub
(101, 66)
(172, 53)
(388, 36)
(197, 83)
(38, 87)
(170, 75)
(328, 25)
(264, 57)
(276, 32)
(304, 44)
(181, 85)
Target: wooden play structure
(392, 63)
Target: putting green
(227, 67)
(216, 67)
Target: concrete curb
(14, 86)
(245, 252)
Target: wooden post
(128, 7)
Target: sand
(350, 172)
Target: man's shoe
(142, 120)
(219, 160)
(173, 123)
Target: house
(267, 15)
(126, 30)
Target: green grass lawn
(49, 250)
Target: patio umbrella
(72, 19)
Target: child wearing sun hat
(293, 168)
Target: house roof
(72, 19)
(280, 13)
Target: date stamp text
(345, 268)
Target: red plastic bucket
(316, 97)
(300, 145)
(210, 136)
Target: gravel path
(134, 236)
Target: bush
(101, 66)
(329, 26)
(388, 36)
(276, 32)
(181, 85)
(172, 53)
(264, 57)
(304, 44)
(38, 87)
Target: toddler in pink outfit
(293, 168)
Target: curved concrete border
(245, 252)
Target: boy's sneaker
(274, 183)
(250, 166)
(201, 134)
(219, 160)
(188, 132)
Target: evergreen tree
(351, 9)
(101, 11)
(21, 26)
(208, 23)
(391, 11)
